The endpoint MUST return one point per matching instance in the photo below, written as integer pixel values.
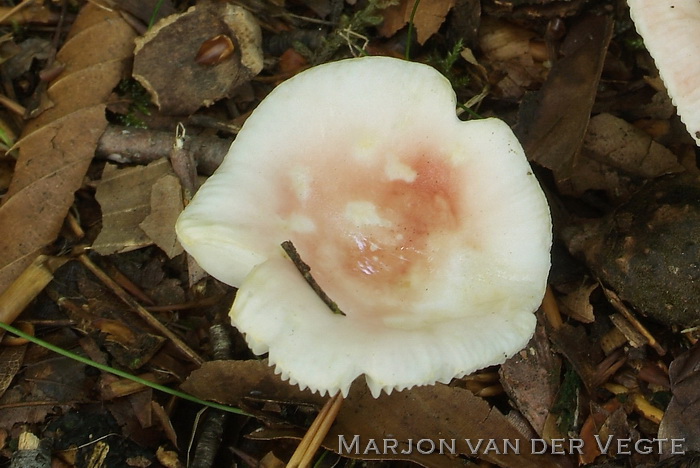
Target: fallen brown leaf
(23, 54)
(125, 197)
(431, 412)
(271, 461)
(229, 382)
(680, 420)
(592, 428)
(33, 13)
(56, 147)
(531, 379)
(579, 350)
(552, 124)
(622, 146)
(166, 205)
(423, 412)
(508, 52)
(429, 16)
(577, 303)
(49, 382)
(614, 157)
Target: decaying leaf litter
(572, 78)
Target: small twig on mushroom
(305, 271)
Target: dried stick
(551, 309)
(617, 303)
(140, 310)
(12, 106)
(305, 271)
(317, 432)
(27, 286)
(183, 163)
(141, 146)
(6, 13)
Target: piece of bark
(166, 62)
(648, 250)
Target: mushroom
(431, 235)
(669, 30)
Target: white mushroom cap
(431, 234)
(670, 29)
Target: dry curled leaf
(56, 147)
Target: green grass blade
(125, 375)
(410, 30)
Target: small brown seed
(215, 50)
